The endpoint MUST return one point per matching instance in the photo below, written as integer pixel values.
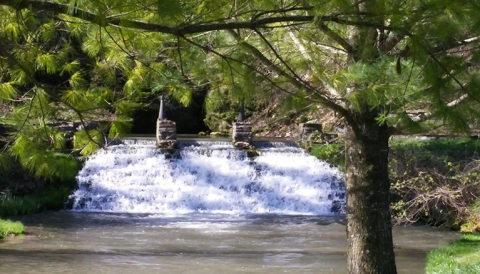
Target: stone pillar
(242, 135)
(166, 134)
(166, 129)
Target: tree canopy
(384, 66)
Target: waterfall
(206, 176)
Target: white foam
(207, 178)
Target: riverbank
(51, 198)
(10, 206)
(461, 256)
(434, 181)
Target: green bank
(434, 181)
(461, 256)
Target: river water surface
(82, 242)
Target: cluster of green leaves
(333, 153)
(461, 256)
(8, 227)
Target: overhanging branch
(294, 81)
(337, 38)
(175, 30)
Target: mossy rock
(252, 153)
(219, 134)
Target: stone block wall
(166, 134)
(242, 135)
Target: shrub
(8, 227)
(333, 153)
(472, 221)
(438, 198)
(434, 181)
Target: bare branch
(453, 45)
(426, 116)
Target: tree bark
(369, 228)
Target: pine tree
(375, 63)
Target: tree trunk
(369, 228)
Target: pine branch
(275, 52)
(175, 30)
(43, 116)
(335, 37)
(78, 112)
(80, 116)
(227, 59)
(447, 72)
(294, 81)
(30, 106)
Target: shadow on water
(154, 252)
(67, 219)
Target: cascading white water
(208, 177)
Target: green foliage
(169, 8)
(378, 84)
(87, 141)
(5, 162)
(461, 256)
(182, 93)
(7, 92)
(35, 156)
(8, 227)
(472, 221)
(435, 181)
(53, 198)
(333, 153)
(118, 128)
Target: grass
(8, 227)
(49, 199)
(461, 256)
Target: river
(85, 242)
